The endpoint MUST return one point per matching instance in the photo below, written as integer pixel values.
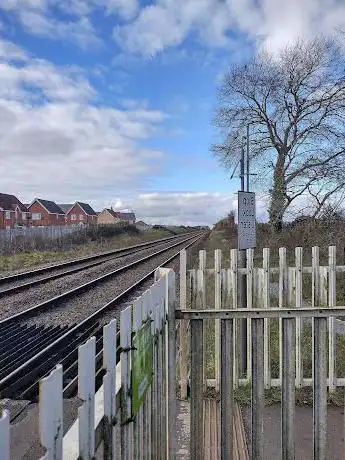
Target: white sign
(246, 220)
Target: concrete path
(303, 432)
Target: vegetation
(75, 246)
(293, 105)
(305, 232)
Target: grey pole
(242, 287)
(248, 157)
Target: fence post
(233, 292)
(197, 391)
(201, 301)
(86, 392)
(126, 415)
(146, 298)
(217, 306)
(171, 368)
(51, 414)
(109, 383)
(266, 304)
(332, 302)
(283, 297)
(183, 326)
(299, 321)
(138, 421)
(288, 390)
(320, 389)
(227, 389)
(5, 431)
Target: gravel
(23, 300)
(80, 307)
(51, 270)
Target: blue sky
(111, 101)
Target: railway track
(25, 280)
(29, 350)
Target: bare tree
(295, 105)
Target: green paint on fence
(142, 366)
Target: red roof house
(46, 213)
(80, 214)
(13, 213)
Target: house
(79, 214)
(109, 216)
(13, 213)
(142, 226)
(46, 213)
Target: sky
(111, 101)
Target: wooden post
(51, 413)
(109, 383)
(86, 392)
(266, 304)
(217, 306)
(299, 321)
(126, 409)
(183, 327)
(5, 431)
(332, 302)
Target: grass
(26, 260)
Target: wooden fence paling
(183, 362)
(148, 402)
(126, 425)
(171, 365)
(332, 301)
(283, 298)
(201, 298)
(217, 306)
(299, 321)
(266, 304)
(5, 434)
(51, 414)
(109, 383)
(86, 392)
(138, 421)
(232, 289)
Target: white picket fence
(106, 416)
(287, 292)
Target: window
(73, 216)
(24, 217)
(8, 215)
(36, 216)
(81, 216)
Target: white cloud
(188, 208)
(124, 8)
(80, 31)
(273, 23)
(55, 142)
(169, 22)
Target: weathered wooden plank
(51, 413)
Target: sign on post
(246, 220)
(142, 365)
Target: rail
(23, 378)
(147, 424)
(76, 264)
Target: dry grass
(32, 259)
